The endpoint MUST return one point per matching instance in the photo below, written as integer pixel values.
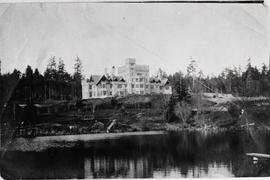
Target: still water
(185, 154)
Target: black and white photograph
(134, 89)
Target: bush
(234, 111)
(182, 111)
(98, 126)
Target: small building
(155, 85)
(101, 86)
(166, 87)
(158, 85)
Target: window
(103, 85)
(137, 85)
(141, 85)
(141, 79)
(90, 86)
(139, 74)
(152, 86)
(90, 94)
(146, 86)
(110, 92)
(141, 92)
(160, 87)
(119, 85)
(111, 86)
(137, 79)
(132, 85)
(104, 93)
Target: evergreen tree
(29, 72)
(51, 72)
(61, 77)
(191, 74)
(36, 73)
(50, 76)
(180, 89)
(17, 73)
(38, 86)
(77, 69)
(61, 68)
(251, 78)
(191, 68)
(77, 76)
(28, 84)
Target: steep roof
(164, 81)
(115, 78)
(154, 80)
(95, 78)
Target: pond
(169, 155)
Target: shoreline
(91, 137)
(42, 143)
(64, 141)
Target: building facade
(132, 79)
(101, 86)
(136, 76)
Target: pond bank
(143, 113)
(44, 142)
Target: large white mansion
(132, 79)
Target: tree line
(249, 81)
(32, 86)
(187, 88)
(57, 84)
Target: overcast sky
(159, 35)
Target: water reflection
(108, 168)
(213, 170)
(169, 155)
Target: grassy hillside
(130, 113)
(144, 113)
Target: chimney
(113, 70)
